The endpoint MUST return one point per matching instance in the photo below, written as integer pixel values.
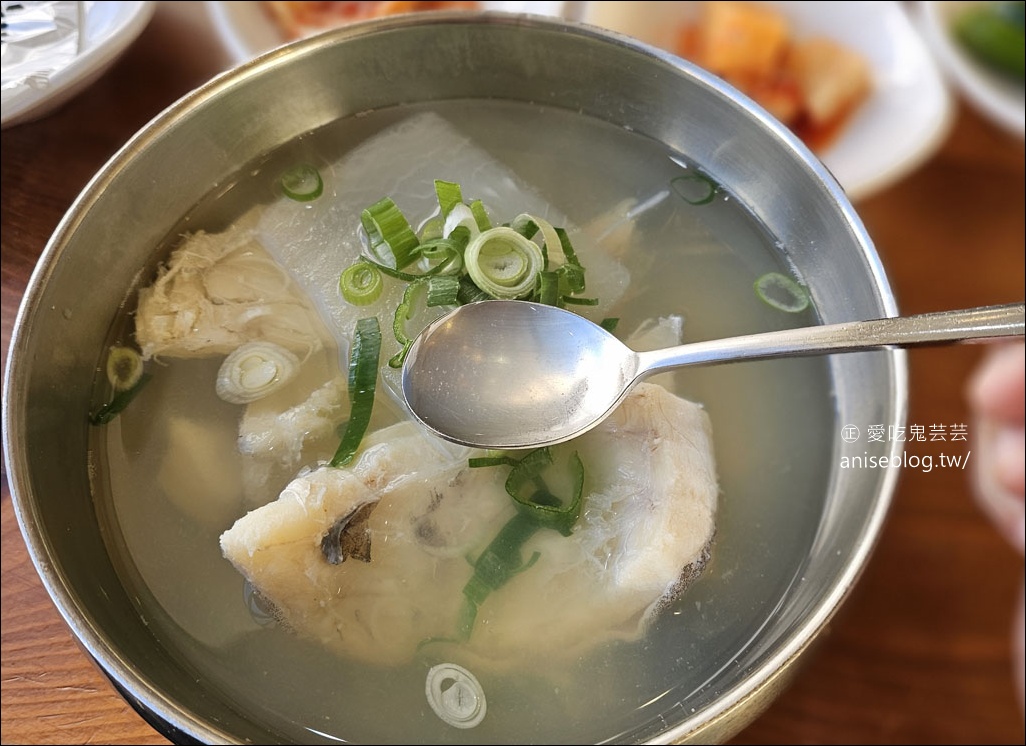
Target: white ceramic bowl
(903, 122)
(1000, 99)
(247, 30)
(106, 30)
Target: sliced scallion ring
(781, 292)
(444, 255)
(302, 183)
(460, 215)
(387, 228)
(695, 188)
(455, 695)
(124, 368)
(503, 263)
(524, 225)
(550, 238)
(255, 370)
(361, 283)
(437, 291)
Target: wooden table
(920, 653)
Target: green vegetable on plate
(993, 33)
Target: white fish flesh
(410, 518)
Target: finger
(996, 390)
(1003, 506)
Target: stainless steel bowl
(109, 237)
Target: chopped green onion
(439, 291)
(501, 560)
(548, 288)
(497, 564)
(445, 255)
(124, 368)
(480, 216)
(610, 323)
(361, 283)
(442, 291)
(460, 216)
(121, 399)
(503, 263)
(470, 293)
(387, 228)
(549, 236)
(781, 292)
(559, 284)
(461, 259)
(524, 225)
(695, 188)
(126, 375)
(363, 376)
(432, 229)
(542, 504)
(302, 183)
(572, 269)
(449, 195)
(993, 33)
(396, 274)
(255, 370)
(480, 461)
(455, 695)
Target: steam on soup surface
(572, 638)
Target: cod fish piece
(372, 560)
(220, 290)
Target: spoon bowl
(516, 374)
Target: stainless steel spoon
(515, 374)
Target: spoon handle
(941, 327)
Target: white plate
(903, 122)
(246, 30)
(898, 127)
(105, 29)
(1001, 100)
